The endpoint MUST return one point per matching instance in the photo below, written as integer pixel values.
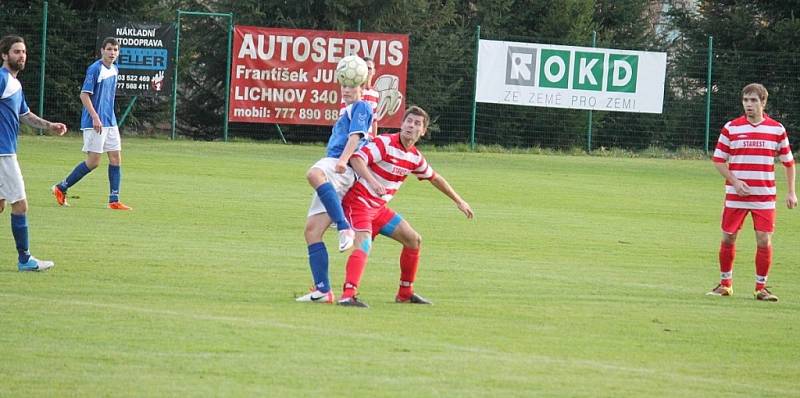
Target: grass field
(580, 277)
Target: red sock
(409, 262)
(354, 270)
(726, 255)
(763, 262)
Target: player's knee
(728, 239)
(19, 207)
(92, 163)
(365, 245)
(314, 174)
(414, 241)
(314, 231)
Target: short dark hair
(417, 111)
(110, 40)
(367, 58)
(757, 89)
(7, 41)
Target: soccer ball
(351, 71)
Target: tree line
(753, 41)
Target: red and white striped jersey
(390, 162)
(750, 151)
(369, 96)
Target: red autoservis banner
(286, 76)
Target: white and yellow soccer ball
(351, 71)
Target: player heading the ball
(331, 177)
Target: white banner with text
(545, 75)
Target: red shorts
(365, 218)
(732, 219)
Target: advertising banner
(286, 76)
(146, 56)
(570, 77)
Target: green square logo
(622, 73)
(588, 72)
(554, 68)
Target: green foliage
(71, 41)
(754, 41)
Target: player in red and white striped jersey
(368, 95)
(745, 156)
(383, 165)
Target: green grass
(580, 277)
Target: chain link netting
(443, 83)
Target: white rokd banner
(570, 77)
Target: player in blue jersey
(99, 126)
(331, 177)
(13, 110)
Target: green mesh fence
(441, 82)
(71, 41)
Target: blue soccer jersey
(101, 84)
(356, 119)
(12, 106)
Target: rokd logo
(520, 62)
(572, 69)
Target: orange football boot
(118, 206)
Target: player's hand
(2, 205)
(377, 187)
(59, 128)
(741, 187)
(341, 167)
(97, 125)
(466, 209)
(791, 200)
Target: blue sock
(78, 172)
(318, 259)
(19, 228)
(333, 206)
(114, 178)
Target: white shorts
(107, 141)
(341, 182)
(12, 187)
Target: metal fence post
(175, 75)
(227, 66)
(708, 88)
(127, 110)
(589, 121)
(44, 61)
(475, 91)
(228, 76)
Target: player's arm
(741, 187)
(349, 148)
(86, 100)
(361, 168)
(441, 184)
(720, 159)
(36, 122)
(791, 196)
